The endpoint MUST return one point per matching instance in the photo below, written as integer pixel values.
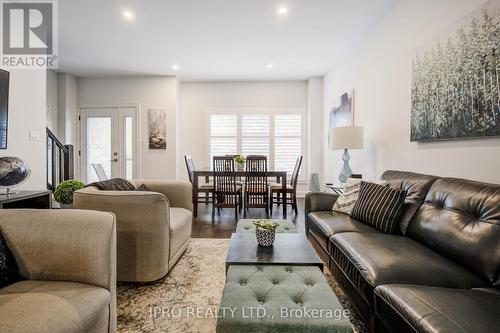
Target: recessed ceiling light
(175, 67)
(282, 11)
(269, 66)
(128, 14)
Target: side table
(26, 199)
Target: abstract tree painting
(455, 89)
(157, 127)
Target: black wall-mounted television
(4, 107)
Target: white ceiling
(211, 39)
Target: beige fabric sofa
(68, 260)
(153, 228)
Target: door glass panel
(98, 148)
(129, 147)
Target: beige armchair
(153, 228)
(67, 258)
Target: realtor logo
(27, 28)
(28, 33)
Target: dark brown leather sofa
(439, 273)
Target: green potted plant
(240, 161)
(265, 232)
(64, 192)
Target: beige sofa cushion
(53, 307)
(180, 228)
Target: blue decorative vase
(13, 172)
(346, 171)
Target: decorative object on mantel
(265, 232)
(13, 172)
(64, 192)
(157, 128)
(347, 137)
(455, 90)
(342, 114)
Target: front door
(108, 143)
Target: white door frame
(136, 132)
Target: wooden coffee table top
(288, 249)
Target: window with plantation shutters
(255, 135)
(277, 133)
(287, 141)
(223, 135)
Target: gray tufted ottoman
(279, 299)
(284, 226)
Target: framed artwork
(455, 90)
(157, 128)
(342, 113)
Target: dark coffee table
(288, 249)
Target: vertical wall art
(342, 113)
(455, 80)
(157, 128)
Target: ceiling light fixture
(269, 66)
(282, 11)
(128, 14)
(175, 67)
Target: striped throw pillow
(346, 201)
(379, 206)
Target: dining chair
(227, 194)
(256, 188)
(203, 193)
(291, 189)
(99, 171)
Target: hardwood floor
(225, 224)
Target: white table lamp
(347, 137)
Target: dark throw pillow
(9, 272)
(379, 206)
(143, 188)
(115, 184)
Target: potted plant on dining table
(240, 161)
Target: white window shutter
(223, 132)
(287, 141)
(255, 135)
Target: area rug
(187, 299)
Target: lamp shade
(346, 137)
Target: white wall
(197, 97)
(379, 70)
(149, 92)
(27, 111)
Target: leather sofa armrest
(63, 245)
(319, 201)
(179, 193)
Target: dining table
(280, 176)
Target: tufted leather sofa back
(416, 186)
(460, 219)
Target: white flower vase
(265, 237)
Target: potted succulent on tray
(240, 161)
(64, 192)
(265, 231)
